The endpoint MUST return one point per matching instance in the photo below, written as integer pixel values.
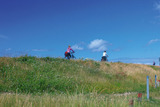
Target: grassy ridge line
(54, 75)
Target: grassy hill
(56, 76)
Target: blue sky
(128, 29)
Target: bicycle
(70, 55)
(104, 58)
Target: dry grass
(137, 71)
(74, 100)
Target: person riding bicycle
(67, 53)
(104, 57)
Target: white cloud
(98, 45)
(116, 50)
(8, 49)
(3, 37)
(39, 50)
(157, 6)
(153, 41)
(157, 17)
(76, 47)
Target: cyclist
(154, 63)
(67, 53)
(104, 57)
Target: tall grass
(74, 100)
(66, 80)
(54, 75)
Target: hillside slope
(55, 75)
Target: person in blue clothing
(154, 63)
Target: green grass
(38, 75)
(155, 68)
(27, 76)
